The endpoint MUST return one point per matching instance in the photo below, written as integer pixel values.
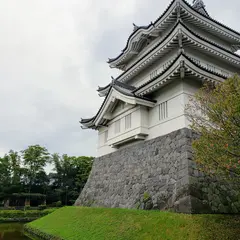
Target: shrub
(48, 211)
(10, 208)
(18, 215)
(33, 232)
(72, 201)
(58, 204)
(42, 207)
(27, 207)
(146, 197)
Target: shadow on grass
(220, 227)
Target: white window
(163, 110)
(117, 126)
(105, 136)
(128, 121)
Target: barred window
(117, 126)
(128, 121)
(105, 136)
(163, 110)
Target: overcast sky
(53, 56)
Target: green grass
(73, 223)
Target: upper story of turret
(163, 64)
(180, 20)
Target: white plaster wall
(190, 87)
(135, 117)
(103, 147)
(147, 121)
(136, 113)
(173, 94)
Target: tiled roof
(195, 7)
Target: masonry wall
(156, 174)
(211, 194)
(155, 169)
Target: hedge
(33, 232)
(18, 215)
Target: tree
(24, 176)
(83, 165)
(71, 175)
(35, 159)
(5, 176)
(14, 160)
(214, 113)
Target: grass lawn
(73, 223)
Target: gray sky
(53, 56)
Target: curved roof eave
(194, 34)
(172, 64)
(152, 24)
(90, 123)
(147, 53)
(86, 120)
(111, 60)
(210, 42)
(212, 19)
(103, 88)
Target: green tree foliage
(24, 175)
(14, 160)
(70, 175)
(5, 175)
(214, 113)
(35, 159)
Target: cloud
(53, 57)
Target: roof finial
(135, 27)
(113, 80)
(200, 7)
(197, 4)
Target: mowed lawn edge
(83, 223)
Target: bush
(27, 207)
(33, 232)
(10, 208)
(58, 204)
(42, 207)
(18, 215)
(72, 201)
(48, 211)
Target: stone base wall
(156, 174)
(213, 195)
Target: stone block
(163, 167)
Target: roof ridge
(210, 18)
(210, 42)
(178, 22)
(197, 3)
(175, 60)
(200, 7)
(139, 28)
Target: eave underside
(186, 13)
(172, 42)
(182, 67)
(109, 103)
